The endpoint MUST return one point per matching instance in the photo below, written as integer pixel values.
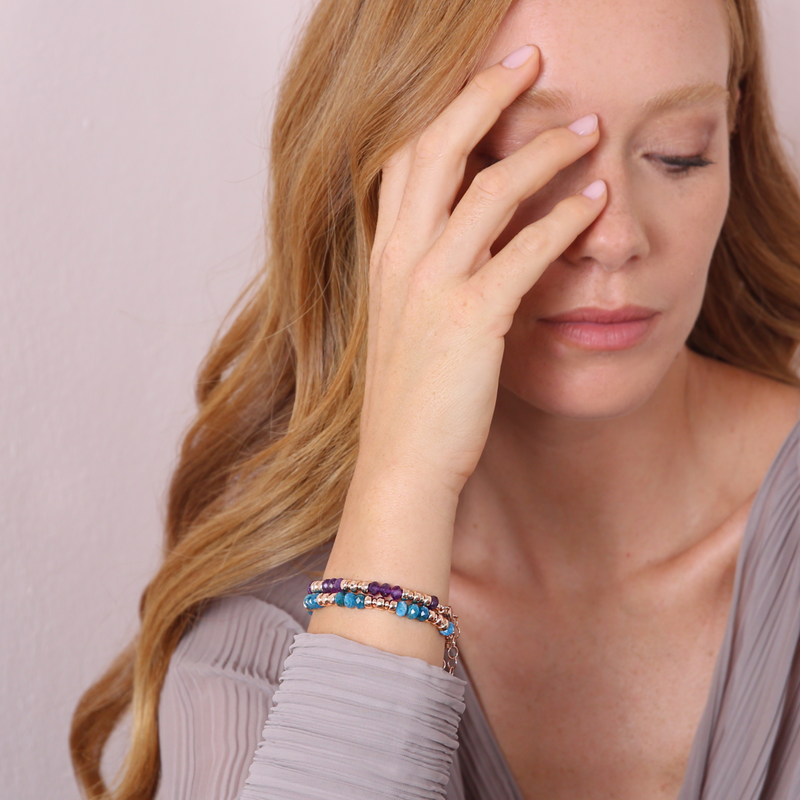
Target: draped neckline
(486, 734)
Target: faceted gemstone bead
(397, 593)
(339, 600)
(386, 590)
(310, 601)
(337, 585)
(350, 600)
(374, 588)
(448, 631)
(434, 601)
(309, 587)
(424, 613)
(413, 611)
(402, 608)
(359, 601)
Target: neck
(586, 497)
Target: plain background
(132, 168)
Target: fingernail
(594, 191)
(518, 57)
(585, 125)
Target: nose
(618, 237)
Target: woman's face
(655, 72)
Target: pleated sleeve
(343, 719)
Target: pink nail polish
(518, 57)
(585, 125)
(594, 191)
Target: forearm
(395, 530)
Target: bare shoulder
(748, 415)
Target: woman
(524, 344)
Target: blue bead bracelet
(349, 599)
(348, 593)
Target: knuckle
(552, 141)
(483, 91)
(572, 213)
(493, 183)
(481, 85)
(433, 144)
(392, 257)
(396, 159)
(535, 240)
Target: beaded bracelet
(403, 602)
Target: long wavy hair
(265, 467)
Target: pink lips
(603, 328)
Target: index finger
(440, 155)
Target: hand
(440, 302)
(440, 306)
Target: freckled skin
(615, 486)
(653, 242)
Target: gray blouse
(345, 720)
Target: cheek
(683, 234)
(681, 224)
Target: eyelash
(682, 165)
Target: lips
(594, 328)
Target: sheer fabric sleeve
(342, 719)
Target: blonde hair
(265, 467)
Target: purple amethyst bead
(397, 593)
(326, 585)
(374, 588)
(434, 601)
(386, 590)
(309, 588)
(337, 585)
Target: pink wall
(131, 167)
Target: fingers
(496, 192)
(440, 154)
(393, 182)
(507, 277)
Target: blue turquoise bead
(448, 631)
(350, 600)
(339, 599)
(402, 608)
(359, 601)
(413, 611)
(424, 613)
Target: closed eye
(682, 165)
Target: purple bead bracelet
(376, 590)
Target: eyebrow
(538, 99)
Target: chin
(605, 386)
